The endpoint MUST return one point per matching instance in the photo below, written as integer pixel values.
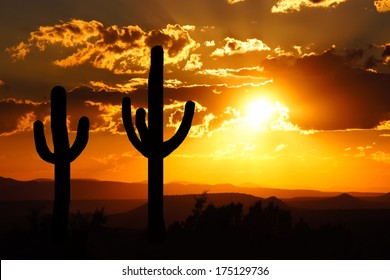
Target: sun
(264, 114)
(260, 112)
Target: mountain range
(89, 189)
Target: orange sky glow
(287, 94)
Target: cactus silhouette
(151, 143)
(62, 156)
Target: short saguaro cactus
(62, 156)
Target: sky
(288, 93)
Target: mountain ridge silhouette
(84, 189)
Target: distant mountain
(385, 197)
(342, 201)
(7, 181)
(178, 188)
(84, 189)
(25, 190)
(81, 189)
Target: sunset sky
(288, 93)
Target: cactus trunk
(151, 142)
(156, 223)
(61, 165)
(61, 200)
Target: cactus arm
(40, 143)
(128, 124)
(81, 139)
(140, 123)
(174, 142)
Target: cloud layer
(382, 5)
(119, 49)
(333, 90)
(234, 46)
(285, 6)
(328, 91)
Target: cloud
(235, 78)
(209, 43)
(234, 151)
(386, 54)
(381, 157)
(280, 147)
(23, 123)
(382, 6)
(383, 125)
(118, 49)
(109, 118)
(234, 46)
(19, 115)
(287, 6)
(245, 72)
(223, 113)
(232, 2)
(193, 63)
(331, 90)
(2, 83)
(132, 85)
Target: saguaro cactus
(151, 143)
(62, 156)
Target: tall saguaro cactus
(62, 156)
(151, 143)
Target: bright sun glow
(264, 114)
(259, 112)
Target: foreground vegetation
(209, 232)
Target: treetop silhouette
(151, 142)
(62, 156)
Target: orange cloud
(175, 113)
(204, 128)
(234, 46)
(209, 43)
(193, 63)
(383, 125)
(173, 83)
(234, 151)
(245, 72)
(23, 123)
(19, 115)
(286, 6)
(236, 78)
(118, 49)
(131, 85)
(382, 6)
(109, 118)
(231, 2)
(381, 157)
(2, 83)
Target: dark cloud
(331, 90)
(19, 115)
(327, 92)
(386, 52)
(119, 49)
(103, 108)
